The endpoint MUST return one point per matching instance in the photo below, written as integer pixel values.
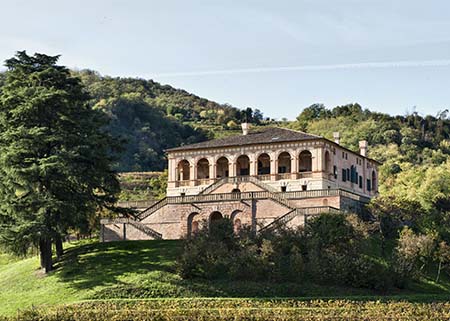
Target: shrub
(327, 251)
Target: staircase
(284, 219)
(214, 185)
(147, 230)
(152, 209)
(235, 180)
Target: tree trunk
(45, 249)
(42, 253)
(59, 247)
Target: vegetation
(151, 117)
(137, 186)
(60, 132)
(55, 158)
(147, 270)
(331, 249)
(241, 309)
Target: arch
(242, 165)
(214, 217)
(222, 166)
(203, 169)
(284, 163)
(305, 161)
(235, 190)
(192, 224)
(374, 181)
(327, 161)
(183, 170)
(263, 164)
(237, 222)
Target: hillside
(145, 269)
(149, 117)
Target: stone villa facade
(260, 179)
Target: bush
(327, 251)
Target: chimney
(337, 137)
(363, 147)
(245, 128)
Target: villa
(261, 179)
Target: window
(283, 188)
(343, 155)
(304, 187)
(368, 185)
(360, 182)
(335, 172)
(344, 175)
(182, 194)
(348, 174)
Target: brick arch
(193, 223)
(244, 217)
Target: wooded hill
(150, 117)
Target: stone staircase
(284, 219)
(270, 192)
(147, 230)
(152, 209)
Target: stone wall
(176, 221)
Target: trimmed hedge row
(238, 309)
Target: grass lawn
(145, 270)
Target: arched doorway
(184, 170)
(263, 164)
(192, 224)
(236, 219)
(222, 167)
(284, 163)
(215, 217)
(305, 161)
(203, 169)
(242, 166)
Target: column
(193, 172)
(172, 173)
(273, 167)
(253, 165)
(318, 153)
(294, 165)
(232, 168)
(212, 170)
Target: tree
(313, 112)
(55, 156)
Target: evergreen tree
(55, 158)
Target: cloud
(363, 65)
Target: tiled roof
(262, 136)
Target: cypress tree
(55, 156)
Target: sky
(391, 56)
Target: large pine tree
(55, 156)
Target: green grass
(146, 270)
